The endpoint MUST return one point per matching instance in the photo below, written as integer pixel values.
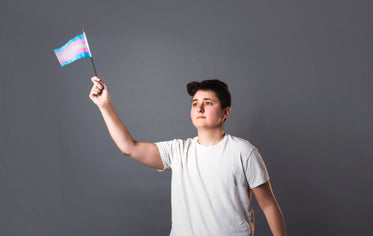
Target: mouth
(201, 117)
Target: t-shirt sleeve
(256, 171)
(165, 150)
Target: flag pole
(93, 63)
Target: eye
(194, 104)
(208, 103)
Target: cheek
(192, 112)
(213, 113)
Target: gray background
(300, 74)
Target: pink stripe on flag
(76, 42)
(73, 53)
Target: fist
(99, 93)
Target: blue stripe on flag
(80, 36)
(76, 57)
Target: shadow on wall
(292, 151)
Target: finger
(95, 79)
(94, 94)
(97, 91)
(99, 86)
(104, 86)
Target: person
(213, 175)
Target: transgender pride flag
(73, 50)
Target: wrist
(105, 107)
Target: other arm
(267, 202)
(143, 152)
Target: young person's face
(206, 111)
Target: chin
(197, 125)
(204, 126)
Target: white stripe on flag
(71, 52)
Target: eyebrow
(203, 99)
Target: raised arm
(267, 202)
(143, 152)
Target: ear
(226, 112)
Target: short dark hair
(220, 88)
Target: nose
(200, 108)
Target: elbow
(127, 149)
(124, 152)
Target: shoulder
(243, 145)
(179, 141)
(176, 143)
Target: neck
(210, 137)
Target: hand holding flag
(99, 93)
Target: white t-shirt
(210, 187)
